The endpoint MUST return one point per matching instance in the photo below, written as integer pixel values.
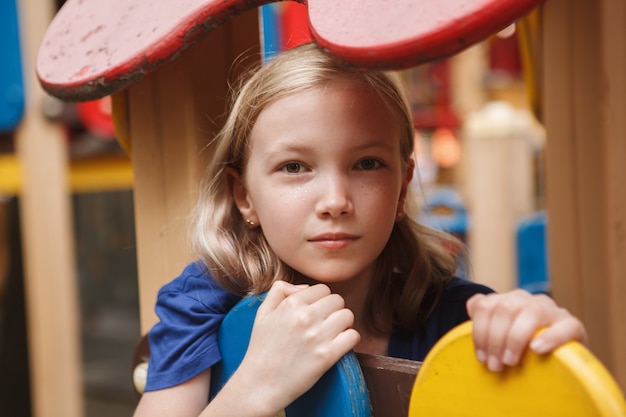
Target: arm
(190, 399)
(186, 399)
(298, 334)
(506, 324)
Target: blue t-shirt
(191, 307)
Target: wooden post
(172, 115)
(48, 243)
(585, 103)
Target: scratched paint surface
(370, 23)
(96, 47)
(401, 33)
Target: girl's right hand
(298, 334)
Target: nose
(335, 200)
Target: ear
(408, 176)
(241, 197)
(406, 181)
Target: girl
(308, 197)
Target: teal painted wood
(11, 81)
(340, 392)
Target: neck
(355, 293)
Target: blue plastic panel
(532, 254)
(11, 82)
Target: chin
(333, 279)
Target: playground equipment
(94, 48)
(11, 83)
(569, 382)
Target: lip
(333, 240)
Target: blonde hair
(413, 267)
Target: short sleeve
(184, 341)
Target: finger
(473, 304)
(522, 330)
(497, 334)
(480, 324)
(302, 294)
(328, 305)
(310, 294)
(336, 323)
(346, 341)
(277, 293)
(560, 332)
(321, 320)
(493, 316)
(537, 311)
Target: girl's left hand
(505, 324)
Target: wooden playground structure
(165, 114)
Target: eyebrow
(309, 147)
(289, 148)
(378, 144)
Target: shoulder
(195, 288)
(449, 312)
(183, 343)
(460, 290)
(451, 309)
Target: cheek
(293, 195)
(381, 199)
(276, 207)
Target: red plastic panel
(94, 47)
(394, 34)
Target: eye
(369, 164)
(292, 168)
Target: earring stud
(250, 222)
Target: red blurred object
(439, 112)
(295, 25)
(97, 117)
(504, 55)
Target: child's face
(324, 179)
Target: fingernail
(494, 364)
(508, 358)
(539, 346)
(482, 357)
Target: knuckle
(337, 300)
(291, 302)
(304, 319)
(534, 310)
(483, 303)
(545, 299)
(345, 317)
(278, 284)
(505, 308)
(323, 288)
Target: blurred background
(480, 175)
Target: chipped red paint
(393, 34)
(94, 48)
